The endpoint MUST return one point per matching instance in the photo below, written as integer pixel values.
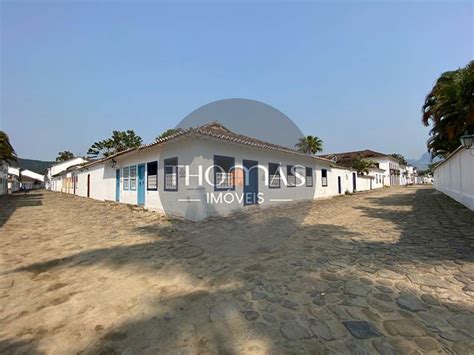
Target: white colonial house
(388, 171)
(14, 182)
(31, 180)
(454, 176)
(55, 176)
(411, 174)
(209, 171)
(23, 178)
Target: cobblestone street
(386, 272)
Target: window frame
(293, 175)
(231, 171)
(324, 179)
(134, 178)
(148, 176)
(278, 173)
(165, 174)
(307, 168)
(126, 178)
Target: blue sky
(353, 73)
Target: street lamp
(467, 140)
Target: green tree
(363, 165)
(449, 108)
(309, 145)
(120, 141)
(7, 153)
(169, 132)
(401, 159)
(63, 156)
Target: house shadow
(222, 316)
(10, 203)
(432, 227)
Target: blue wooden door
(354, 181)
(141, 185)
(117, 185)
(250, 182)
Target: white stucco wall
(102, 182)
(455, 177)
(199, 152)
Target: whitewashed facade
(13, 179)
(455, 176)
(392, 170)
(31, 180)
(54, 176)
(177, 176)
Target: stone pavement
(386, 272)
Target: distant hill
(38, 166)
(423, 162)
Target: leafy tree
(401, 159)
(120, 141)
(63, 156)
(7, 153)
(169, 132)
(363, 165)
(309, 145)
(449, 108)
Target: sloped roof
(218, 131)
(346, 158)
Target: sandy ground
(385, 272)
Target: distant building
(55, 175)
(23, 179)
(13, 179)
(388, 167)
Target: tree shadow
(432, 227)
(16, 346)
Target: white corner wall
(455, 177)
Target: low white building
(454, 176)
(388, 169)
(411, 175)
(14, 182)
(23, 179)
(209, 171)
(31, 180)
(55, 174)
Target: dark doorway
(339, 185)
(354, 181)
(88, 185)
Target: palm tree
(309, 145)
(7, 153)
(363, 165)
(449, 108)
(63, 156)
